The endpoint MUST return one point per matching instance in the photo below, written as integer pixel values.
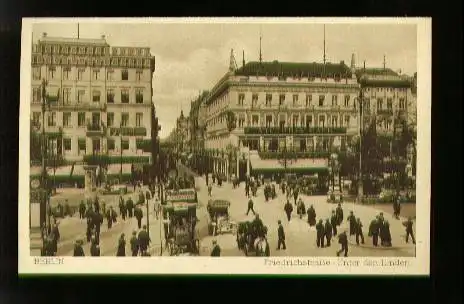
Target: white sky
(192, 57)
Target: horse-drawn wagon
(219, 219)
(251, 238)
(182, 235)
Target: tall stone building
(100, 98)
(266, 111)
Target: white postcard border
(420, 265)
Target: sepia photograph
(225, 145)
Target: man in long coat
(328, 231)
(320, 234)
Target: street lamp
(361, 129)
(46, 197)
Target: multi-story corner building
(197, 129)
(182, 134)
(388, 101)
(100, 97)
(272, 108)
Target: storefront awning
(308, 165)
(259, 165)
(115, 169)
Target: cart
(182, 235)
(248, 239)
(219, 220)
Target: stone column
(90, 180)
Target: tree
(36, 142)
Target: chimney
(103, 37)
(44, 35)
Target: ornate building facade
(99, 97)
(276, 108)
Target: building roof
(72, 40)
(290, 69)
(381, 77)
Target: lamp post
(46, 197)
(361, 122)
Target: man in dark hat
(409, 230)
(281, 236)
(288, 208)
(130, 207)
(122, 208)
(352, 220)
(328, 231)
(334, 222)
(320, 234)
(339, 213)
(144, 240)
(250, 207)
(343, 241)
(138, 213)
(78, 250)
(216, 252)
(374, 230)
(121, 246)
(82, 210)
(134, 242)
(359, 231)
(311, 216)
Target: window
(96, 74)
(80, 74)
(81, 119)
(241, 98)
(322, 121)
(110, 96)
(125, 96)
(367, 104)
(254, 100)
(36, 73)
(347, 121)
(268, 100)
(138, 119)
(96, 96)
(52, 119)
(51, 72)
(139, 95)
(389, 103)
(138, 75)
(110, 144)
(124, 75)
(125, 144)
(66, 119)
(67, 144)
(321, 100)
(347, 101)
(334, 100)
(295, 100)
(36, 118)
(81, 144)
(66, 95)
(388, 124)
(379, 103)
(109, 119)
(282, 121)
(309, 100)
(66, 73)
(124, 119)
(254, 120)
(241, 122)
(281, 99)
(268, 121)
(80, 95)
(36, 94)
(334, 121)
(96, 144)
(309, 121)
(110, 75)
(402, 104)
(295, 120)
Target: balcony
(94, 130)
(128, 131)
(292, 155)
(76, 106)
(294, 130)
(388, 112)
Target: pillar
(90, 180)
(248, 164)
